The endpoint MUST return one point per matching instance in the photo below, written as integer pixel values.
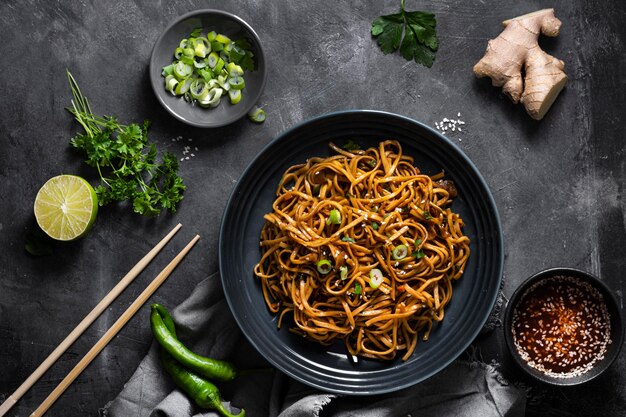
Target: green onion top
(334, 218)
(400, 252)
(376, 278)
(343, 272)
(324, 266)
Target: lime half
(66, 207)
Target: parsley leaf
(413, 32)
(128, 165)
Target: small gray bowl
(163, 52)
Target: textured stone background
(558, 184)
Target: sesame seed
(563, 342)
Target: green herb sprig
(126, 162)
(413, 32)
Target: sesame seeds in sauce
(561, 327)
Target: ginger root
(518, 46)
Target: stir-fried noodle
(363, 247)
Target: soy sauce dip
(561, 326)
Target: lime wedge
(66, 207)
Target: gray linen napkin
(205, 323)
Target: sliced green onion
(237, 82)
(199, 89)
(183, 86)
(206, 74)
(357, 288)
(170, 83)
(217, 46)
(234, 69)
(257, 115)
(400, 252)
(419, 254)
(222, 80)
(334, 218)
(222, 39)
(207, 67)
(220, 65)
(324, 266)
(376, 278)
(375, 226)
(182, 70)
(213, 58)
(343, 272)
(187, 60)
(235, 96)
(214, 96)
(167, 70)
(202, 47)
(347, 239)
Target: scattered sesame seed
(453, 125)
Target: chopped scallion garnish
(216, 61)
(257, 115)
(334, 217)
(324, 266)
(376, 278)
(400, 252)
(343, 272)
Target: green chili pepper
(168, 321)
(160, 322)
(203, 392)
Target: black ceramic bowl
(162, 55)
(577, 300)
(328, 367)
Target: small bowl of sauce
(563, 326)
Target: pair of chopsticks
(90, 318)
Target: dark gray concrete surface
(558, 183)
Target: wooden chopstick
(110, 334)
(87, 321)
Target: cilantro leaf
(414, 33)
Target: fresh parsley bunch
(127, 164)
(414, 32)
